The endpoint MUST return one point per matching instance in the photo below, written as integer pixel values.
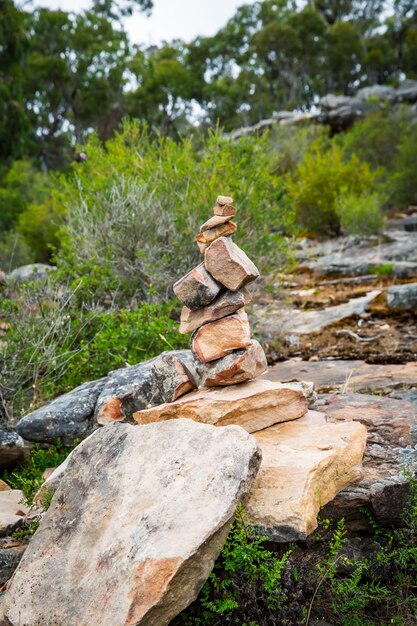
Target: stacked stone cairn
(214, 295)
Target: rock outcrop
(390, 452)
(135, 526)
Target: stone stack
(214, 296)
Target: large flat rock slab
(354, 375)
(305, 463)
(274, 321)
(134, 527)
(390, 450)
(253, 405)
(397, 250)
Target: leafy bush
(402, 183)
(361, 215)
(53, 345)
(135, 206)
(376, 139)
(319, 183)
(316, 581)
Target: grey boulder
(67, 418)
(30, 272)
(12, 448)
(402, 297)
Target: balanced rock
(229, 265)
(254, 405)
(237, 367)
(223, 206)
(214, 221)
(223, 230)
(226, 303)
(216, 339)
(135, 526)
(197, 288)
(305, 463)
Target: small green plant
(382, 270)
(28, 478)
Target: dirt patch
(374, 339)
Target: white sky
(170, 19)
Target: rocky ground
(347, 299)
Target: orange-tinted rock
(210, 235)
(254, 405)
(214, 221)
(197, 288)
(134, 528)
(305, 463)
(229, 265)
(226, 303)
(237, 367)
(216, 339)
(224, 206)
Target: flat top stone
(134, 527)
(305, 463)
(254, 405)
(221, 200)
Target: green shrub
(14, 251)
(134, 207)
(402, 183)
(321, 181)
(54, 345)
(361, 215)
(376, 139)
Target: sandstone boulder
(12, 510)
(226, 303)
(305, 463)
(197, 288)
(66, 418)
(237, 367)
(12, 448)
(229, 265)
(216, 339)
(134, 527)
(222, 230)
(254, 405)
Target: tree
(14, 123)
